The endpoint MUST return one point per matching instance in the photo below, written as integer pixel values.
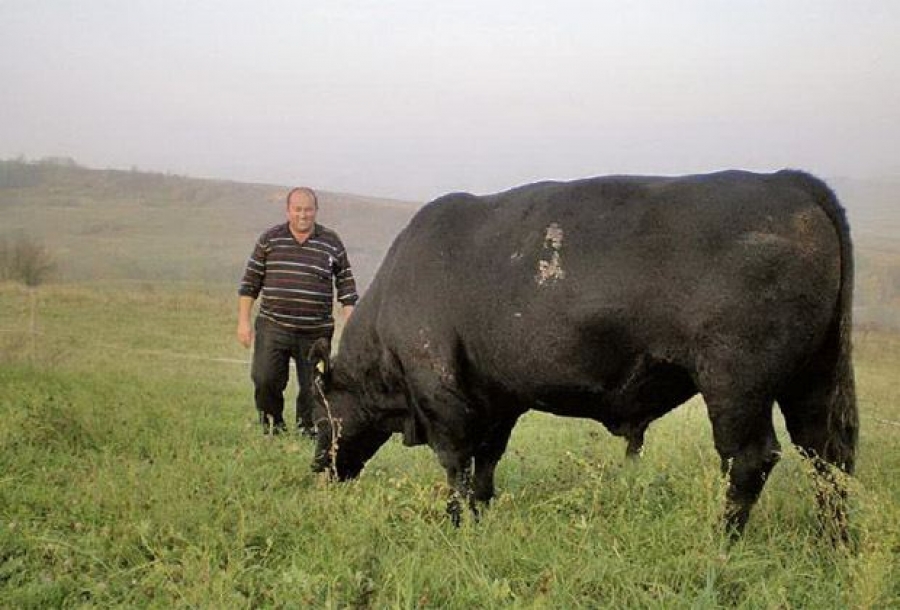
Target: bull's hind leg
(746, 442)
(828, 442)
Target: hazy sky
(411, 99)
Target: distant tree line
(23, 173)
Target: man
(297, 266)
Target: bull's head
(347, 433)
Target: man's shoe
(277, 429)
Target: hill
(133, 225)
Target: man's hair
(306, 191)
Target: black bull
(615, 299)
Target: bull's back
(566, 282)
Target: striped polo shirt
(297, 281)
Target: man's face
(301, 212)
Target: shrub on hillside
(25, 259)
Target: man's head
(301, 208)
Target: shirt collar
(316, 231)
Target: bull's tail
(841, 409)
(843, 417)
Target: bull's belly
(651, 390)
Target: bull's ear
(320, 358)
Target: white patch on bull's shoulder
(551, 270)
(554, 236)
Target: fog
(409, 100)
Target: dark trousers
(274, 347)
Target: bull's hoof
(454, 510)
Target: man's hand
(244, 333)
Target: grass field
(132, 474)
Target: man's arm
(244, 329)
(344, 282)
(347, 311)
(251, 285)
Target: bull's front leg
(489, 452)
(459, 479)
(635, 438)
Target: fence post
(33, 326)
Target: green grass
(132, 474)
